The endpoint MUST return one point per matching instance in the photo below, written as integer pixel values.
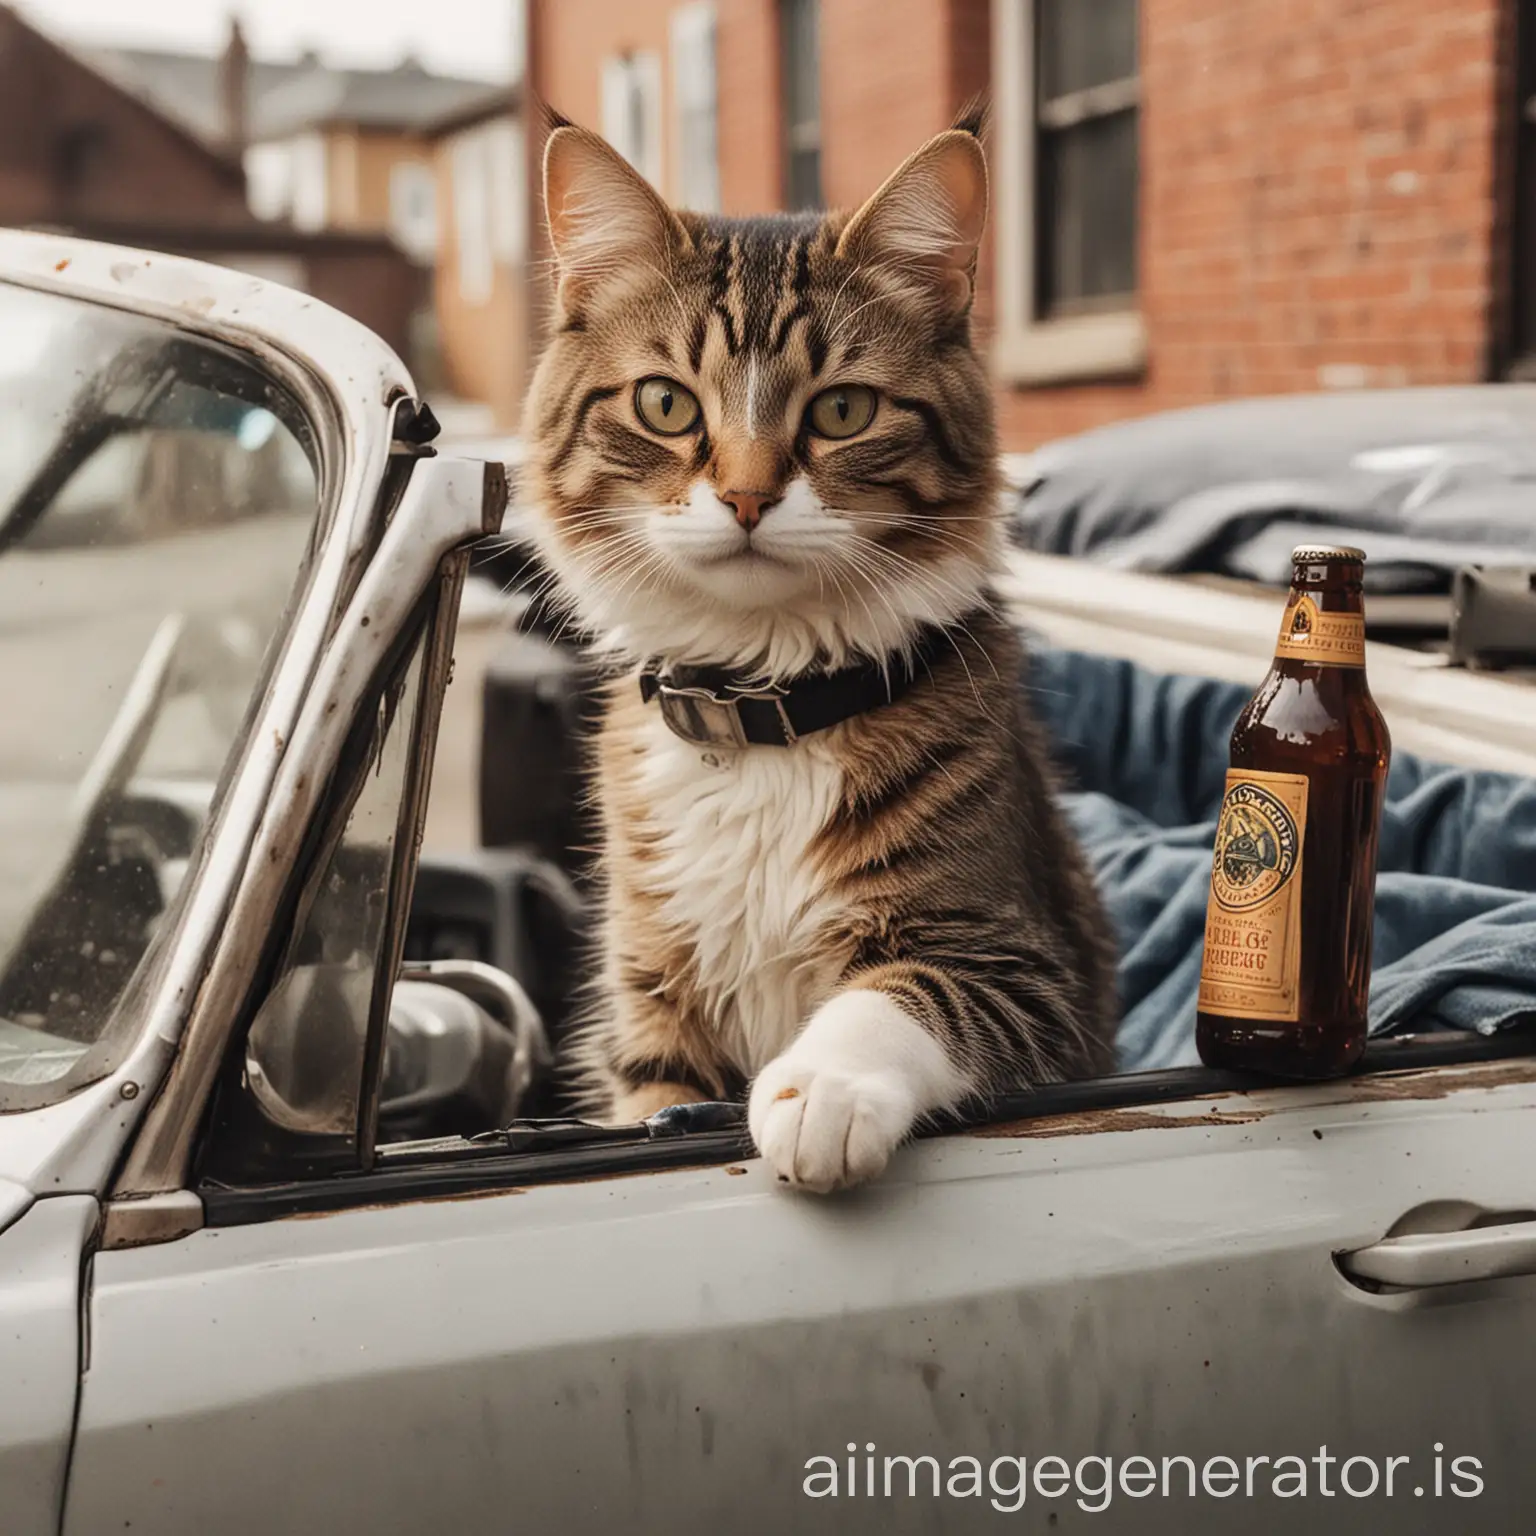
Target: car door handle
(1417, 1260)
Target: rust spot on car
(1438, 1082)
(1409, 1085)
(623, 1175)
(1092, 1122)
(395, 1205)
(735, 1170)
(59, 266)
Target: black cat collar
(710, 706)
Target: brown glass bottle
(1287, 961)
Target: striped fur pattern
(887, 918)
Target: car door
(696, 1349)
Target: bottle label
(1324, 639)
(1251, 968)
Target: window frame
(425, 641)
(800, 137)
(714, 1134)
(1028, 348)
(636, 75)
(420, 238)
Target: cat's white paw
(829, 1112)
(822, 1129)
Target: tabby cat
(763, 468)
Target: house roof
(493, 101)
(182, 86)
(288, 98)
(209, 145)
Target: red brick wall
(1319, 182)
(751, 124)
(885, 88)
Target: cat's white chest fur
(735, 882)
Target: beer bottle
(1287, 962)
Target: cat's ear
(603, 215)
(925, 223)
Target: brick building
(1190, 200)
(428, 165)
(87, 149)
(480, 280)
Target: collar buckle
(711, 719)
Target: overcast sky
(461, 37)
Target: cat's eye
(841, 412)
(666, 407)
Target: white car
(230, 1303)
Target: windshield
(157, 498)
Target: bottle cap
(1310, 554)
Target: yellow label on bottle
(1325, 639)
(1251, 968)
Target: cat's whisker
(857, 309)
(934, 585)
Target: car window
(305, 1053)
(158, 497)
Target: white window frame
(310, 201)
(1029, 349)
(624, 76)
(695, 94)
(488, 180)
(417, 237)
(269, 180)
(804, 136)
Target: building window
(413, 209)
(1523, 267)
(310, 204)
(1085, 148)
(1067, 84)
(489, 206)
(695, 106)
(269, 180)
(632, 116)
(800, 22)
(80, 153)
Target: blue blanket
(1145, 757)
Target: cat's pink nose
(748, 506)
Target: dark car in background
(1437, 485)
